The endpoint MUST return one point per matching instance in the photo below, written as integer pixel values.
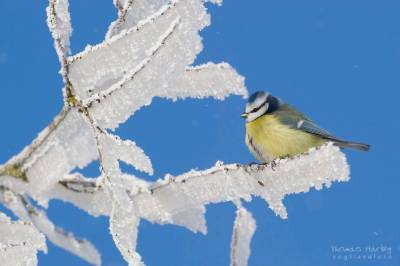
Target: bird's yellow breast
(268, 139)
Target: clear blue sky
(338, 61)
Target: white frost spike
(124, 230)
(79, 247)
(19, 242)
(243, 231)
(125, 150)
(59, 22)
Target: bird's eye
(258, 108)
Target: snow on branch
(169, 199)
(148, 52)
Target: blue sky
(337, 61)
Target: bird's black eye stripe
(258, 108)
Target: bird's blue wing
(297, 120)
(310, 127)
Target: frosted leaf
(79, 247)
(131, 12)
(84, 193)
(129, 77)
(209, 80)
(13, 202)
(243, 231)
(116, 149)
(19, 242)
(120, 57)
(21, 207)
(66, 144)
(59, 23)
(124, 230)
(193, 219)
(117, 188)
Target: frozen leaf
(124, 230)
(20, 206)
(79, 247)
(136, 65)
(116, 149)
(19, 242)
(66, 144)
(99, 69)
(59, 22)
(85, 193)
(243, 231)
(131, 12)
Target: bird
(276, 130)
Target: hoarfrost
(59, 22)
(243, 231)
(21, 207)
(79, 247)
(124, 229)
(19, 242)
(147, 52)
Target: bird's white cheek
(254, 116)
(250, 117)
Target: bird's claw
(273, 164)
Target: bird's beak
(244, 115)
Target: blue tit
(274, 130)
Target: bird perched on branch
(274, 130)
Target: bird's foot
(272, 163)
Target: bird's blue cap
(256, 95)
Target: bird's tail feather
(353, 145)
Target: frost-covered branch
(168, 199)
(172, 196)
